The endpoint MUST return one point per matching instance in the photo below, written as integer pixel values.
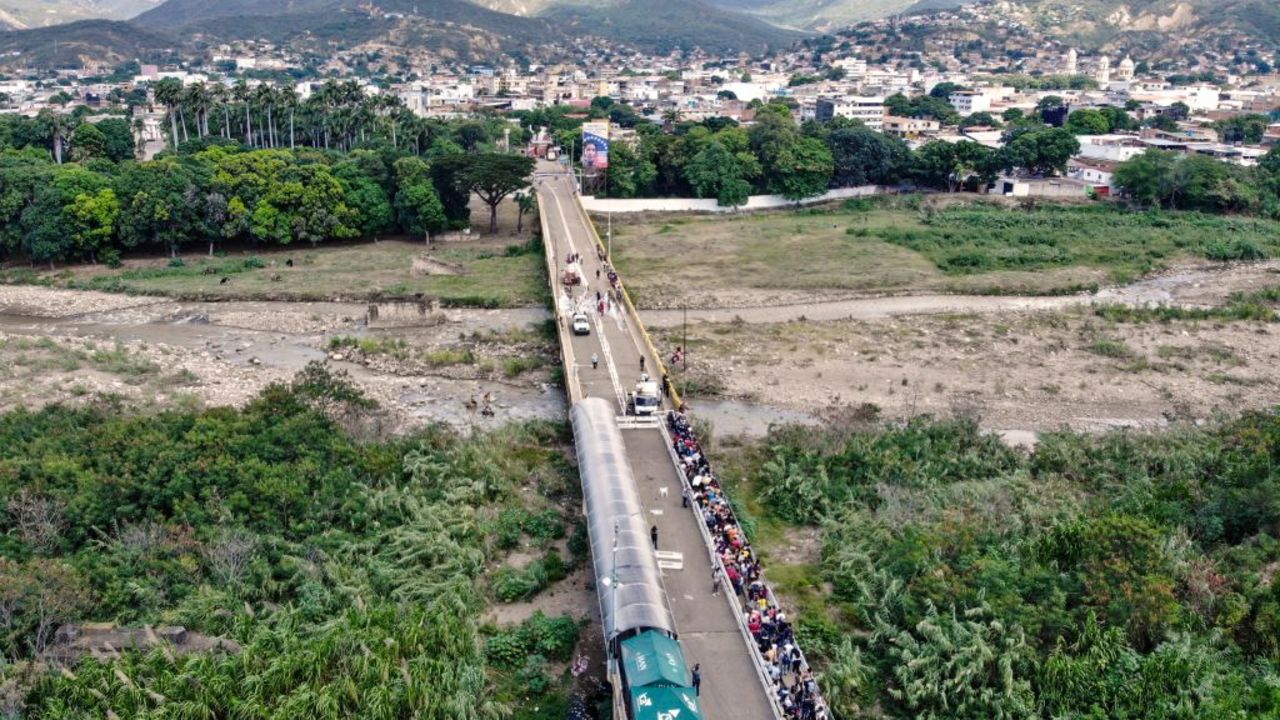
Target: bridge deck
(708, 630)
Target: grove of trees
(264, 186)
(719, 159)
(1158, 178)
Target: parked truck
(646, 399)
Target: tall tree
(714, 172)
(168, 92)
(494, 176)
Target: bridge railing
(730, 597)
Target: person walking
(697, 679)
(716, 583)
(642, 363)
(653, 535)
(595, 361)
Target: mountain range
(466, 27)
(21, 14)
(482, 28)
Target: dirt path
(1189, 286)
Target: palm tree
(289, 99)
(266, 99)
(219, 95)
(670, 118)
(168, 92)
(244, 95)
(58, 127)
(199, 98)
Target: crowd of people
(793, 683)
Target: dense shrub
(348, 571)
(1121, 575)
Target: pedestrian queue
(794, 685)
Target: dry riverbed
(71, 346)
(1028, 371)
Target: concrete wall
(755, 202)
(404, 314)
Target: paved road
(708, 629)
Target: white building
(1125, 72)
(870, 110)
(1110, 148)
(968, 102)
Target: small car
(581, 326)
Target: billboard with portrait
(595, 145)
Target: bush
(510, 584)
(1234, 250)
(554, 565)
(176, 262)
(550, 637)
(546, 525)
(1109, 348)
(533, 676)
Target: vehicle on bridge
(581, 325)
(646, 665)
(572, 274)
(646, 399)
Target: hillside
(1090, 23)
(467, 27)
(663, 25)
(1096, 23)
(451, 26)
(84, 41)
(20, 14)
(821, 14)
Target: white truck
(645, 400)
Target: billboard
(595, 145)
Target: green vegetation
(1261, 305)
(908, 243)
(1124, 575)
(718, 159)
(280, 174)
(968, 240)
(486, 276)
(514, 352)
(350, 574)
(1195, 182)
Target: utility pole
(684, 349)
(609, 237)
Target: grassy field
(477, 274)
(904, 244)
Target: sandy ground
(1187, 285)
(1024, 364)
(1019, 371)
(69, 346)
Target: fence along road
(711, 634)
